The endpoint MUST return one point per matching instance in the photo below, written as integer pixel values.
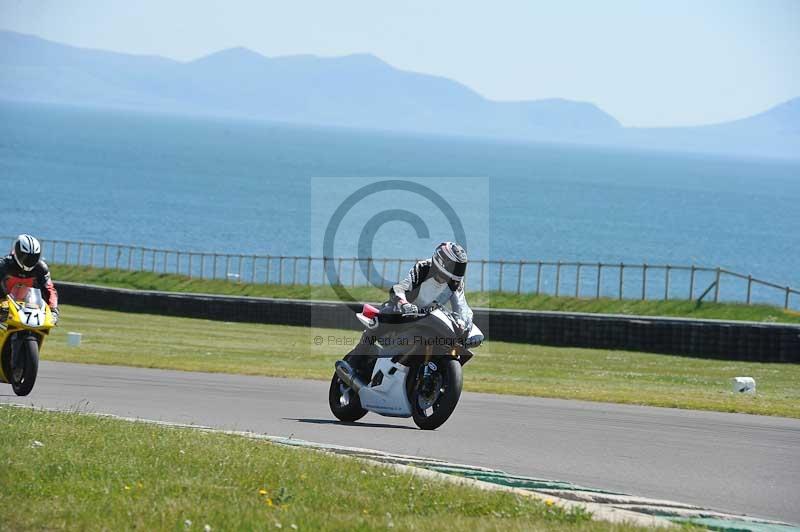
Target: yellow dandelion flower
(549, 502)
(262, 491)
(269, 502)
(127, 488)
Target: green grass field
(178, 283)
(596, 375)
(66, 471)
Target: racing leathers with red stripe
(12, 275)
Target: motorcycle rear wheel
(30, 360)
(349, 410)
(445, 403)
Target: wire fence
(556, 278)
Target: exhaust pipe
(348, 376)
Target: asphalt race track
(729, 462)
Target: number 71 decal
(29, 315)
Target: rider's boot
(361, 357)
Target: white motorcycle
(413, 370)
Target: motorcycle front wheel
(434, 401)
(23, 377)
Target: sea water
(238, 186)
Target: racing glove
(408, 308)
(54, 312)
(460, 326)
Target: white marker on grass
(744, 384)
(73, 339)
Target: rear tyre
(430, 409)
(344, 401)
(23, 378)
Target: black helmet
(450, 260)
(26, 252)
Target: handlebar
(389, 313)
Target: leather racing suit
(421, 288)
(12, 275)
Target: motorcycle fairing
(387, 398)
(475, 337)
(28, 315)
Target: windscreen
(29, 297)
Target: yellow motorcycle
(25, 320)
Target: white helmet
(26, 252)
(450, 261)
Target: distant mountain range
(351, 91)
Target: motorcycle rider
(431, 281)
(24, 266)
(436, 281)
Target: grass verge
(591, 374)
(179, 283)
(78, 472)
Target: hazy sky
(675, 62)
